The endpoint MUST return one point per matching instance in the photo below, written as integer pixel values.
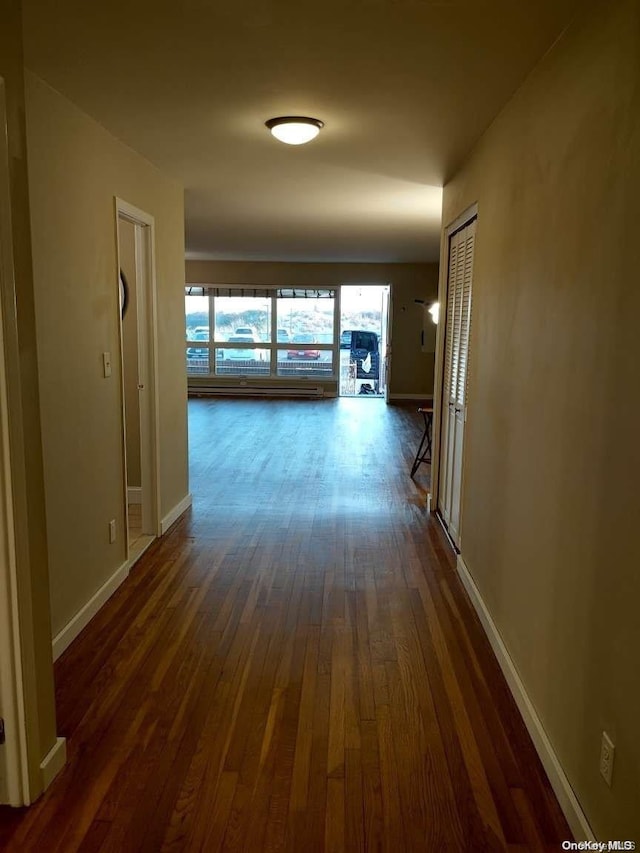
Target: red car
(303, 352)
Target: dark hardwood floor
(294, 666)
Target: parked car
(363, 342)
(237, 353)
(197, 330)
(365, 351)
(282, 336)
(245, 330)
(198, 352)
(303, 352)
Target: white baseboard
(134, 495)
(82, 618)
(53, 762)
(72, 629)
(172, 516)
(569, 804)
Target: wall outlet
(112, 531)
(607, 754)
(106, 364)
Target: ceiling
(405, 88)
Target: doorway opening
(364, 340)
(139, 395)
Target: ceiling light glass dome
(294, 130)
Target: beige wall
(24, 417)
(127, 255)
(412, 369)
(552, 458)
(76, 170)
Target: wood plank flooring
(294, 666)
(134, 518)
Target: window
(242, 315)
(309, 323)
(197, 315)
(277, 332)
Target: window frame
(274, 293)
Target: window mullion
(212, 334)
(273, 361)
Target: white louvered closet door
(454, 395)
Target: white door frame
(387, 356)
(14, 780)
(438, 402)
(337, 326)
(14, 776)
(147, 365)
(337, 313)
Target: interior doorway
(364, 340)
(138, 353)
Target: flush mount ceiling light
(295, 130)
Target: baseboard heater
(255, 391)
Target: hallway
(294, 666)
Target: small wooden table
(424, 451)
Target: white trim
(147, 330)
(72, 629)
(466, 216)
(153, 368)
(335, 358)
(134, 495)
(386, 357)
(460, 221)
(172, 516)
(567, 799)
(134, 214)
(53, 762)
(75, 626)
(14, 755)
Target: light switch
(106, 362)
